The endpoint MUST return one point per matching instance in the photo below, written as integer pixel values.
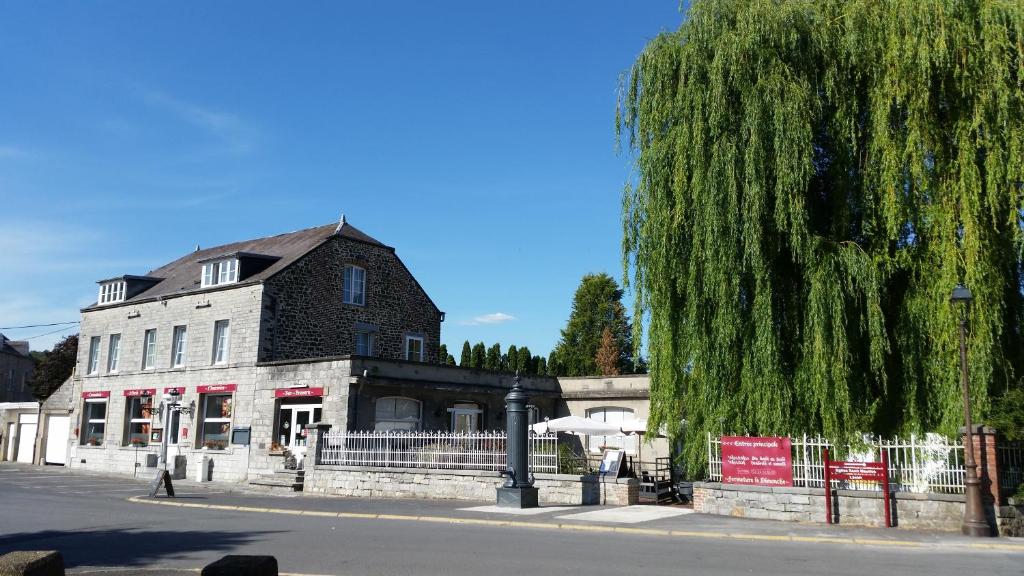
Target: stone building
(15, 371)
(260, 338)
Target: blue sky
(477, 138)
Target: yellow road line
(596, 527)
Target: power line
(37, 325)
(48, 333)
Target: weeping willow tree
(811, 180)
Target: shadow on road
(125, 547)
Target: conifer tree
(466, 358)
(607, 358)
(493, 359)
(478, 356)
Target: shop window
(94, 418)
(395, 413)
(138, 419)
(215, 429)
(612, 415)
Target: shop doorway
(292, 419)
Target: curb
(596, 528)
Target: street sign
(857, 472)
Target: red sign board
(865, 471)
(211, 388)
(298, 392)
(757, 461)
(179, 390)
(104, 394)
(133, 392)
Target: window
(466, 417)
(221, 337)
(353, 287)
(179, 343)
(94, 355)
(111, 292)
(395, 413)
(364, 343)
(95, 419)
(220, 272)
(113, 351)
(414, 348)
(149, 350)
(138, 420)
(612, 415)
(215, 431)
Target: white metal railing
(1010, 456)
(431, 450)
(930, 464)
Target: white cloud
(229, 129)
(492, 318)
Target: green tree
(493, 359)
(542, 365)
(608, 354)
(451, 360)
(554, 367)
(812, 179)
(467, 355)
(479, 354)
(512, 358)
(596, 305)
(54, 366)
(442, 354)
(523, 361)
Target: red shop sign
(298, 392)
(216, 388)
(133, 392)
(179, 390)
(757, 461)
(104, 394)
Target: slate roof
(6, 348)
(183, 275)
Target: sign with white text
(757, 461)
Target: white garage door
(57, 428)
(27, 437)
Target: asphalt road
(90, 520)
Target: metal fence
(929, 464)
(1010, 456)
(431, 450)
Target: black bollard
(518, 491)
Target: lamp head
(961, 295)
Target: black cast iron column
(518, 491)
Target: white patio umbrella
(577, 425)
(638, 426)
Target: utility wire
(37, 325)
(48, 333)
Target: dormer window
(111, 292)
(220, 272)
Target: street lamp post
(974, 523)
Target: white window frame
(94, 356)
(84, 440)
(111, 292)
(221, 341)
(595, 442)
(113, 352)
(220, 272)
(204, 402)
(142, 419)
(396, 423)
(409, 340)
(370, 338)
(353, 285)
(179, 346)
(149, 349)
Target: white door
(12, 437)
(26, 437)
(57, 429)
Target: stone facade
(580, 396)
(16, 367)
(855, 507)
(308, 317)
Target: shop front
(296, 408)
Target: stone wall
(471, 485)
(855, 507)
(307, 317)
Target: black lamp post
(518, 491)
(974, 523)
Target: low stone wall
(474, 485)
(1011, 519)
(854, 507)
